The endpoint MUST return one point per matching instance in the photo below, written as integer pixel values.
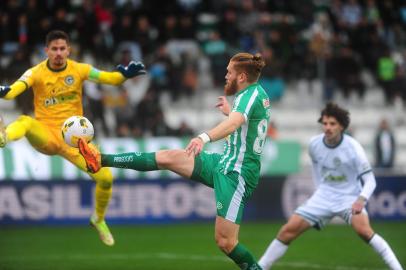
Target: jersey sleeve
(85, 71)
(28, 77)
(361, 161)
(310, 150)
(99, 76)
(23, 83)
(245, 103)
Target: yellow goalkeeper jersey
(57, 93)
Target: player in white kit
(340, 166)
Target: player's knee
(24, 119)
(105, 184)
(104, 179)
(365, 233)
(165, 158)
(225, 244)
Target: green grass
(189, 246)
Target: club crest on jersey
(69, 80)
(266, 103)
(337, 162)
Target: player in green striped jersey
(233, 174)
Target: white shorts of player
(323, 206)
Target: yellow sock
(103, 196)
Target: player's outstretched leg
(91, 156)
(3, 134)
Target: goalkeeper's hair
(56, 34)
(333, 110)
(250, 64)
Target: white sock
(275, 250)
(382, 248)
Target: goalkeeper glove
(4, 89)
(132, 70)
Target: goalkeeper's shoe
(103, 230)
(91, 155)
(3, 134)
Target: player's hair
(56, 34)
(250, 64)
(333, 110)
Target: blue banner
(389, 199)
(70, 202)
(171, 200)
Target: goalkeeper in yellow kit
(57, 86)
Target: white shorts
(322, 207)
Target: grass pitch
(187, 246)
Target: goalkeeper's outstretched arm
(118, 77)
(10, 92)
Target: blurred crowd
(334, 41)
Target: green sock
(243, 258)
(134, 160)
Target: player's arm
(117, 77)
(225, 128)
(10, 92)
(223, 105)
(23, 83)
(366, 192)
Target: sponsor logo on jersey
(69, 80)
(336, 178)
(219, 205)
(59, 99)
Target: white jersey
(338, 170)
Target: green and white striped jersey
(243, 148)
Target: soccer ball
(76, 127)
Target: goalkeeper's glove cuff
(4, 89)
(132, 70)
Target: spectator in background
(184, 130)
(96, 109)
(169, 29)
(216, 49)
(271, 78)
(272, 131)
(348, 72)
(86, 27)
(385, 146)
(146, 35)
(104, 40)
(124, 115)
(147, 111)
(161, 70)
(387, 75)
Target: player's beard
(59, 62)
(230, 88)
